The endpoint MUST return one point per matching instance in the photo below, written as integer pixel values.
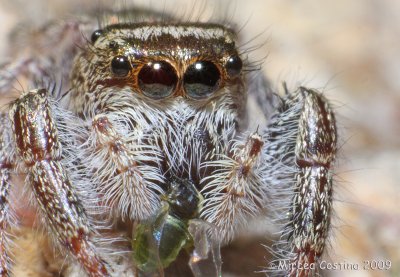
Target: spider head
(196, 63)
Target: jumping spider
(149, 127)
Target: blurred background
(350, 50)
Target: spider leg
(312, 202)
(39, 148)
(127, 170)
(47, 53)
(234, 192)
(262, 98)
(10, 71)
(6, 166)
(307, 124)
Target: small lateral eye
(233, 66)
(157, 79)
(201, 79)
(120, 66)
(95, 35)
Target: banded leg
(9, 72)
(128, 176)
(311, 207)
(302, 138)
(5, 169)
(38, 147)
(234, 192)
(45, 51)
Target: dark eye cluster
(159, 79)
(200, 80)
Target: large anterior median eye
(201, 79)
(157, 79)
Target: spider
(142, 122)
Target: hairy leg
(38, 147)
(301, 143)
(127, 173)
(311, 207)
(6, 166)
(40, 54)
(234, 192)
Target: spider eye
(157, 79)
(120, 66)
(233, 66)
(95, 35)
(201, 79)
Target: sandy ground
(349, 50)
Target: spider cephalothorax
(152, 130)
